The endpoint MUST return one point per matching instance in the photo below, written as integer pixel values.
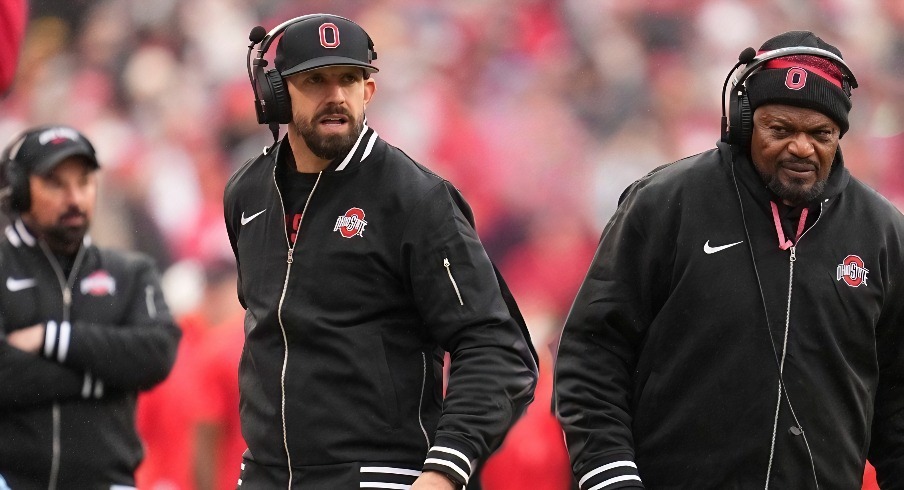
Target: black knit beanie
(806, 81)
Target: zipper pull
(448, 267)
(793, 253)
(289, 258)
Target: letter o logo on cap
(795, 79)
(331, 28)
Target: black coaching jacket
(67, 416)
(666, 376)
(345, 328)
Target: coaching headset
(271, 99)
(737, 128)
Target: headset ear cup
(274, 105)
(282, 106)
(740, 120)
(20, 198)
(16, 194)
(745, 121)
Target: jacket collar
(19, 235)
(355, 157)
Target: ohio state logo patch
(852, 271)
(351, 223)
(98, 283)
(796, 78)
(329, 35)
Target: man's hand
(29, 339)
(433, 480)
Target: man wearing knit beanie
(810, 93)
(802, 80)
(742, 321)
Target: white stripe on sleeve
(65, 334)
(611, 481)
(605, 467)
(50, 334)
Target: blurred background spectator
(189, 423)
(541, 111)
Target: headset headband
(12, 149)
(753, 63)
(268, 39)
(756, 63)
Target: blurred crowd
(540, 111)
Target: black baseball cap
(41, 149)
(323, 40)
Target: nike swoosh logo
(19, 284)
(245, 220)
(712, 250)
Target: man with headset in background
(742, 323)
(82, 328)
(358, 267)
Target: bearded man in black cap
(82, 328)
(742, 323)
(358, 268)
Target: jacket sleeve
(493, 372)
(886, 450)
(597, 354)
(135, 355)
(229, 216)
(30, 380)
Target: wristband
(455, 484)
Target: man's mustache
(333, 110)
(73, 213)
(804, 161)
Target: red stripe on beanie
(815, 64)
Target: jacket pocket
(386, 385)
(645, 407)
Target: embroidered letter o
(331, 28)
(796, 78)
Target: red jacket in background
(13, 16)
(218, 395)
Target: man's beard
(66, 239)
(332, 146)
(793, 192)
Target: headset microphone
(747, 55)
(744, 58)
(257, 35)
